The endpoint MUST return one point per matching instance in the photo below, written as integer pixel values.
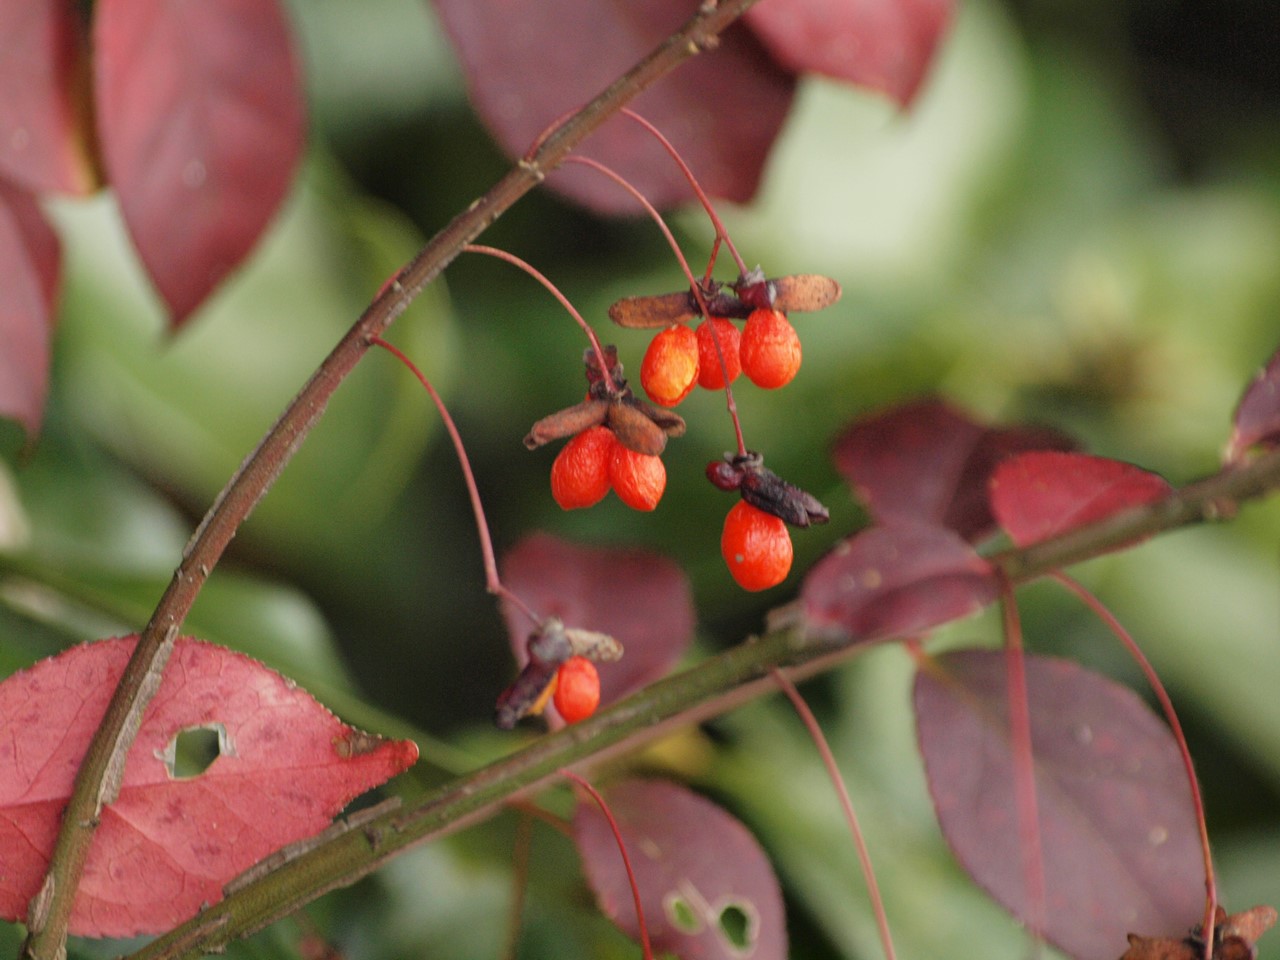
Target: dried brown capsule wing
(634, 430)
(648, 313)
(805, 292)
(668, 421)
(566, 422)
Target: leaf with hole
(1120, 847)
(201, 120)
(899, 581)
(1257, 419)
(707, 890)
(231, 763)
(1043, 494)
(640, 598)
(928, 462)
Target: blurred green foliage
(1079, 223)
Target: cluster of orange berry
(767, 351)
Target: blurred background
(1078, 223)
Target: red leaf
(201, 121)
(886, 45)
(166, 845)
(526, 69)
(927, 462)
(641, 599)
(41, 63)
(29, 266)
(896, 582)
(1040, 495)
(706, 888)
(1118, 831)
(1257, 419)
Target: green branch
(710, 688)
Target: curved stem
(538, 275)
(493, 582)
(97, 781)
(1171, 717)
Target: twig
(714, 686)
(94, 785)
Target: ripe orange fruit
(756, 546)
(670, 365)
(709, 374)
(770, 349)
(637, 478)
(577, 689)
(580, 474)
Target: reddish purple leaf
(899, 581)
(528, 64)
(29, 266)
(169, 843)
(641, 599)
(1040, 495)
(927, 462)
(200, 117)
(41, 113)
(886, 45)
(1257, 419)
(707, 890)
(1118, 832)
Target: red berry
(580, 474)
(577, 689)
(638, 479)
(709, 374)
(756, 546)
(770, 349)
(670, 365)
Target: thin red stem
(1171, 716)
(626, 860)
(730, 404)
(716, 222)
(533, 271)
(846, 804)
(493, 583)
(1024, 784)
(519, 884)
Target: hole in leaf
(738, 925)
(193, 751)
(681, 914)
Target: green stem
(714, 686)
(99, 775)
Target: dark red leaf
(927, 462)
(1257, 419)
(29, 266)
(896, 581)
(1118, 831)
(528, 64)
(1040, 495)
(707, 889)
(200, 117)
(41, 115)
(168, 843)
(639, 598)
(886, 45)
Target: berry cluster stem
(98, 778)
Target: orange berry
(577, 689)
(580, 474)
(670, 365)
(709, 375)
(756, 546)
(770, 349)
(638, 479)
